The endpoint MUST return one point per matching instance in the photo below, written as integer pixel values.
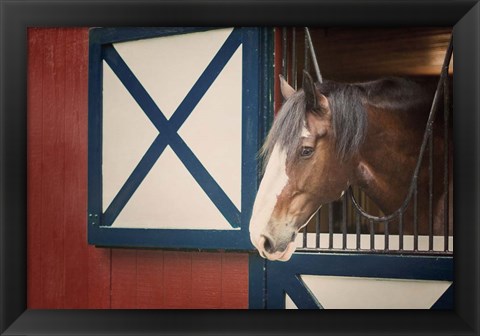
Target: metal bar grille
(330, 225)
(430, 192)
(344, 225)
(387, 237)
(344, 221)
(400, 231)
(294, 58)
(415, 217)
(446, 106)
(358, 232)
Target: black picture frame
(16, 16)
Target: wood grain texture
(150, 286)
(358, 54)
(63, 270)
(234, 280)
(206, 280)
(53, 164)
(124, 279)
(99, 277)
(76, 259)
(177, 279)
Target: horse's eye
(306, 152)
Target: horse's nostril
(268, 244)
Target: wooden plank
(235, 280)
(124, 279)
(206, 280)
(358, 54)
(52, 217)
(177, 279)
(149, 279)
(34, 166)
(75, 194)
(99, 275)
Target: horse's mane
(349, 121)
(349, 116)
(287, 128)
(394, 93)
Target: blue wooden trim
(135, 88)
(146, 103)
(267, 90)
(252, 107)
(257, 282)
(95, 80)
(169, 238)
(206, 79)
(300, 293)
(206, 181)
(280, 276)
(250, 116)
(275, 288)
(446, 301)
(134, 180)
(194, 166)
(372, 266)
(280, 283)
(253, 135)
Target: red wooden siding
(63, 270)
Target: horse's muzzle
(271, 251)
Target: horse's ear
(310, 92)
(285, 88)
(322, 103)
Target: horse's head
(304, 169)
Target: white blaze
(273, 182)
(305, 132)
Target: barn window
(173, 135)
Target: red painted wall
(63, 270)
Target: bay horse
(329, 136)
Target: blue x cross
(168, 131)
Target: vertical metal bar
(314, 57)
(294, 58)
(387, 237)
(415, 219)
(277, 70)
(305, 236)
(317, 229)
(284, 53)
(400, 230)
(344, 221)
(372, 235)
(446, 113)
(330, 225)
(430, 192)
(306, 64)
(357, 225)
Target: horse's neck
(386, 161)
